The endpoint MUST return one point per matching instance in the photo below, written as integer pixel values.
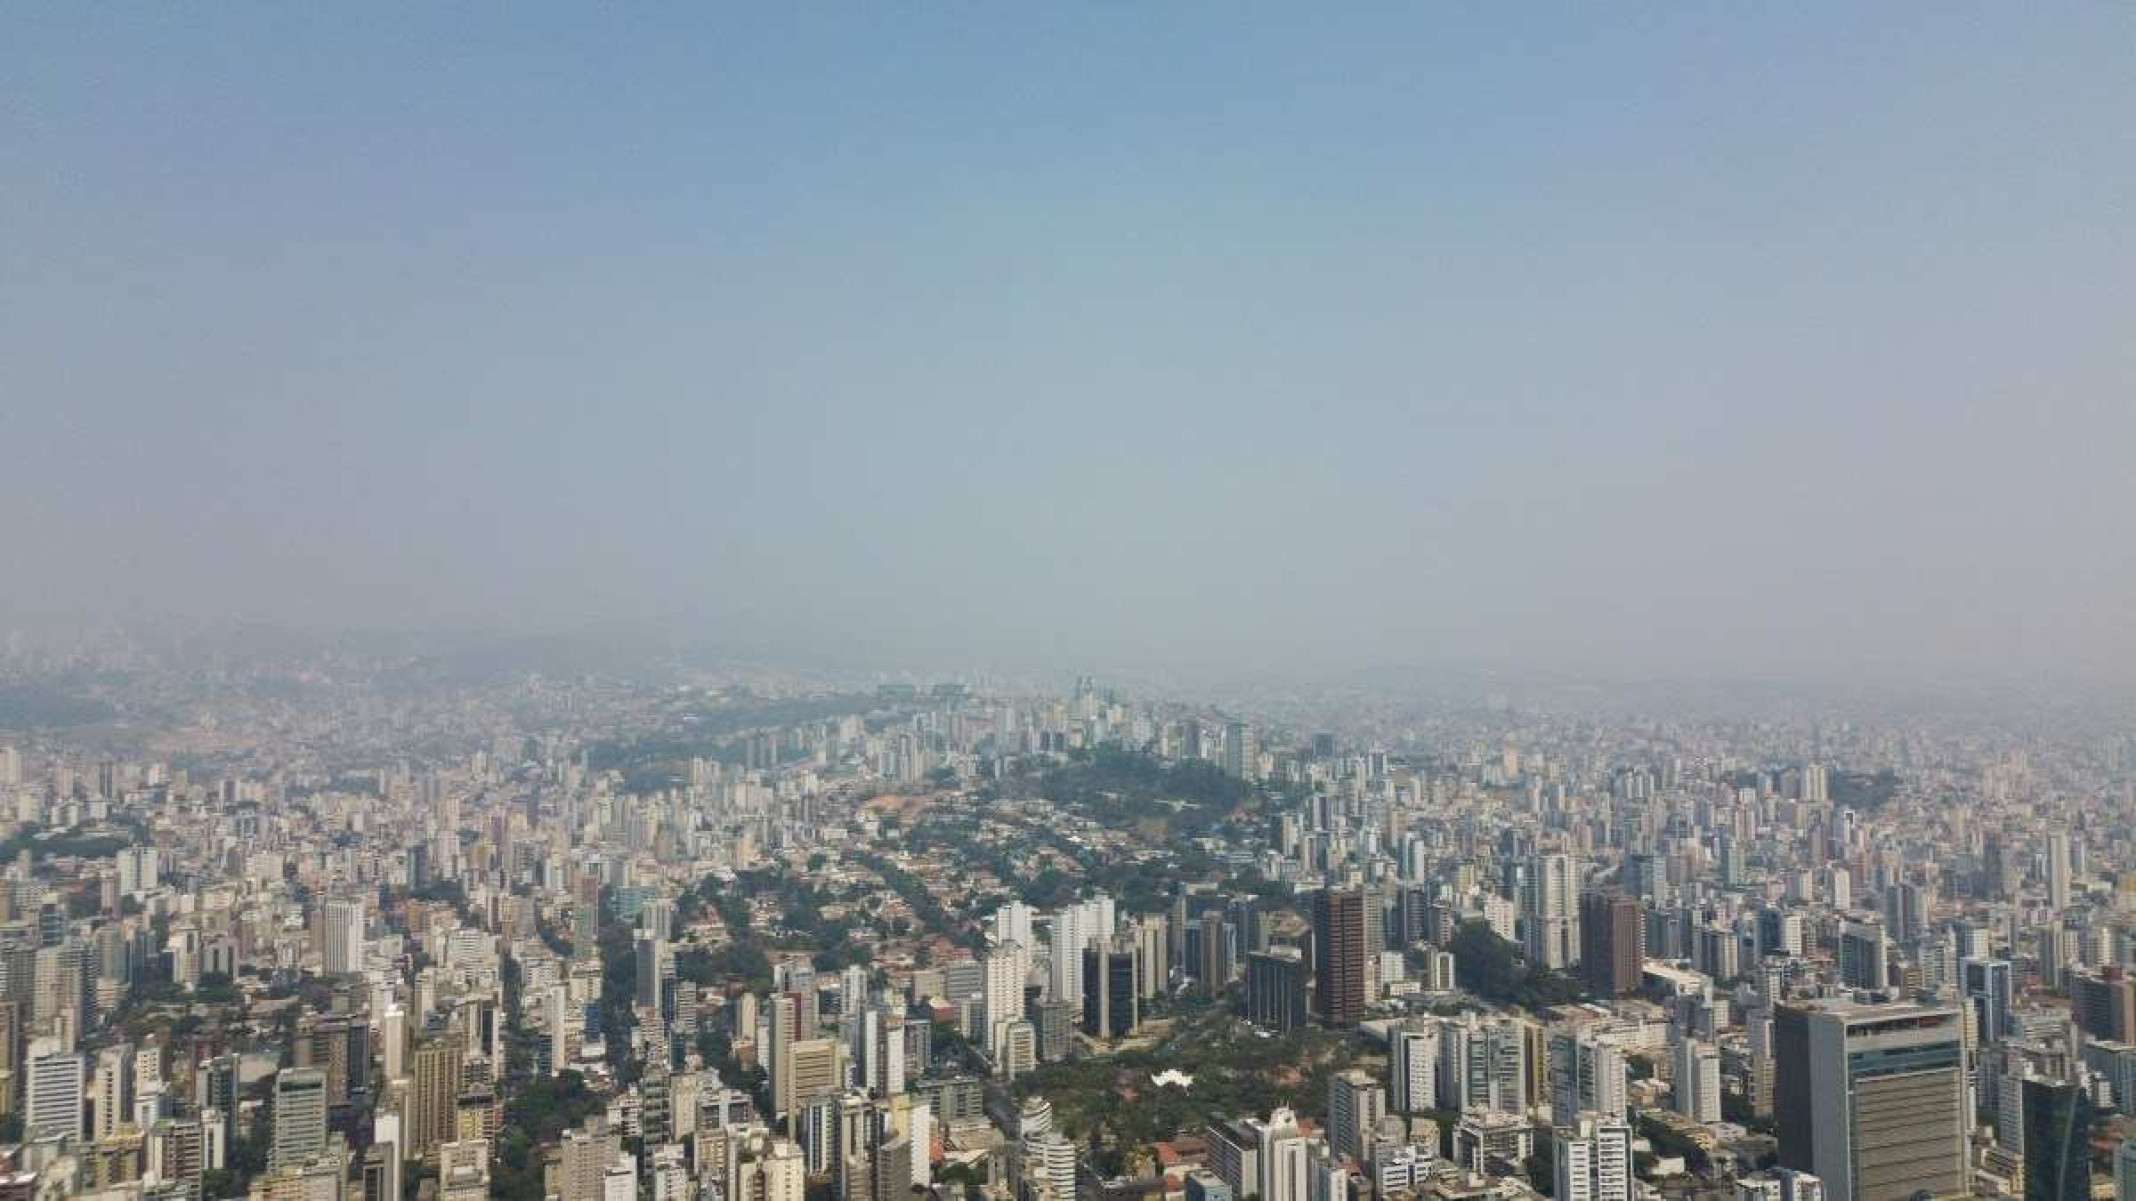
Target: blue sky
(1734, 338)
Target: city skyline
(1102, 603)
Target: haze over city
(1684, 341)
(1086, 602)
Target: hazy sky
(1697, 337)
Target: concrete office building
(1872, 1098)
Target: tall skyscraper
(2058, 1120)
(1864, 955)
(342, 951)
(1413, 1070)
(1013, 923)
(2058, 869)
(1587, 1075)
(1612, 933)
(655, 962)
(1339, 955)
(113, 1097)
(1697, 1087)
(215, 1090)
(1006, 968)
(1175, 934)
(1872, 1098)
(1238, 751)
(2125, 1171)
(1356, 1103)
(1549, 925)
(433, 1096)
(1987, 984)
(1152, 955)
(1906, 910)
(299, 1115)
(1758, 1032)
(1219, 952)
(1111, 1004)
(782, 1030)
(1276, 988)
(1067, 938)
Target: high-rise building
(2058, 869)
(1339, 955)
(1356, 1103)
(1758, 1032)
(1006, 968)
(1238, 751)
(381, 1172)
(815, 1070)
(1587, 1075)
(892, 1175)
(1697, 1088)
(1612, 932)
(1872, 1098)
(1234, 1156)
(1219, 952)
(556, 1016)
(139, 870)
(781, 1021)
(1439, 971)
(1013, 923)
(1017, 1052)
(1049, 1167)
(1111, 1002)
(1276, 988)
(1592, 1159)
(1413, 1070)
(1483, 1064)
(2104, 1004)
(883, 1061)
(1067, 938)
(53, 1101)
(215, 1091)
(433, 1096)
(1175, 934)
(341, 952)
(2056, 947)
(1906, 910)
(2058, 1121)
(1864, 955)
(775, 1172)
(1152, 955)
(584, 1156)
(1549, 917)
(656, 973)
(1280, 1145)
(1054, 1026)
(299, 1115)
(853, 1158)
(1987, 984)
(113, 1097)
